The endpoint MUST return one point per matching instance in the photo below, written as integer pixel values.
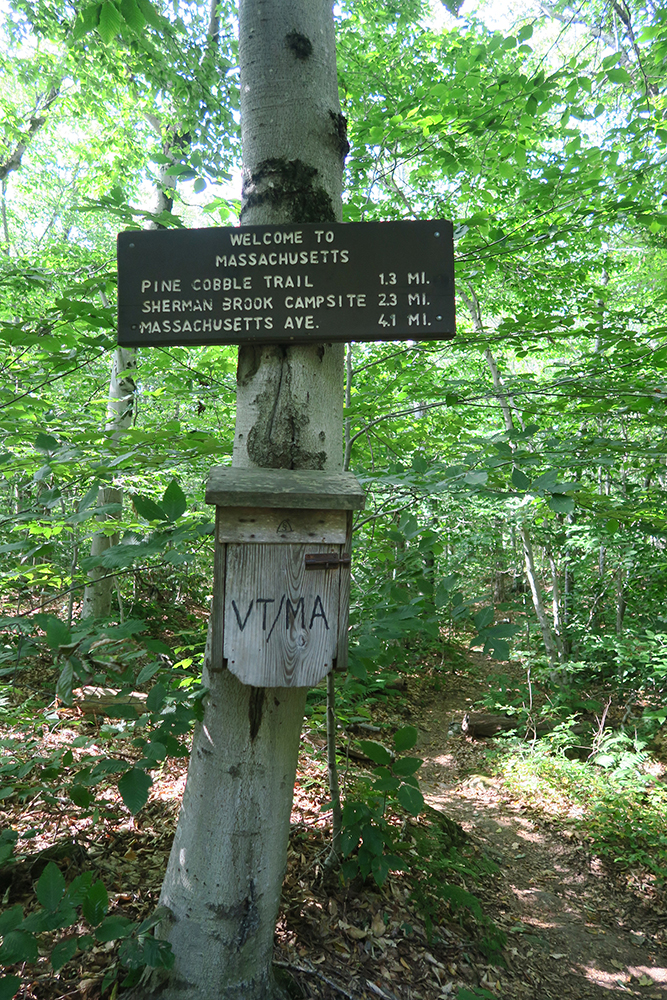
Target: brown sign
(283, 284)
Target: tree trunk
(332, 767)
(224, 876)
(507, 405)
(500, 571)
(538, 603)
(555, 604)
(568, 604)
(120, 413)
(620, 598)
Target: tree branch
(35, 123)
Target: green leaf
(147, 672)
(18, 946)
(155, 751)
(148, 509)
(64, 685)
(57, 632)
(64, 916)
(86, 22)
(122, 712)
(149, 12)
(46, 444)
(619, 75)
(349, 869)
(174, 502)
(407, 766)
(385, 781)
(156, 697)
(561, 504)
(411, 799)
(114, 927)
(443, 594)
(498, 648)
(9, 987)
(349, 839)
(50, 887)
(405, 738)
(483, 618)
(372, 839)
(356, 668)
(39, 921)
(136, 953)
(78, 888)
(96, 903)
(134, 787)
(110, 21)
(80, 796)
(132, 15)
(380, 868)
(199, 185)
(8, 840)
(10, 919)
(520, 479)
(355, 812)
(157, 646)
(63, 952)
(546, 481)
(377, 753)
(504, 630)
(89, 500)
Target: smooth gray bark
(225, 872)
(550, 645)
(224, 877)
(538, 603)
(555, 604)
(120, 414)
(507, 406)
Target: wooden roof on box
(295, 488)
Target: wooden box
(282, 573)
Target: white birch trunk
(120, 413)
(559, 637)
(224, 877)
(550, 645)
(620, 598)
(538, 603)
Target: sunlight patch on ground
(170, 788)
(634, 975)
(657, 974)
(444, 760)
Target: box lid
(295, 488)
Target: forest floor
(575, 929)
(560, 924)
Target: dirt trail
(572, 931)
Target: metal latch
(326, 560)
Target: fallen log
(483, 725)
(94, 700)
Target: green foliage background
(546, 143)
